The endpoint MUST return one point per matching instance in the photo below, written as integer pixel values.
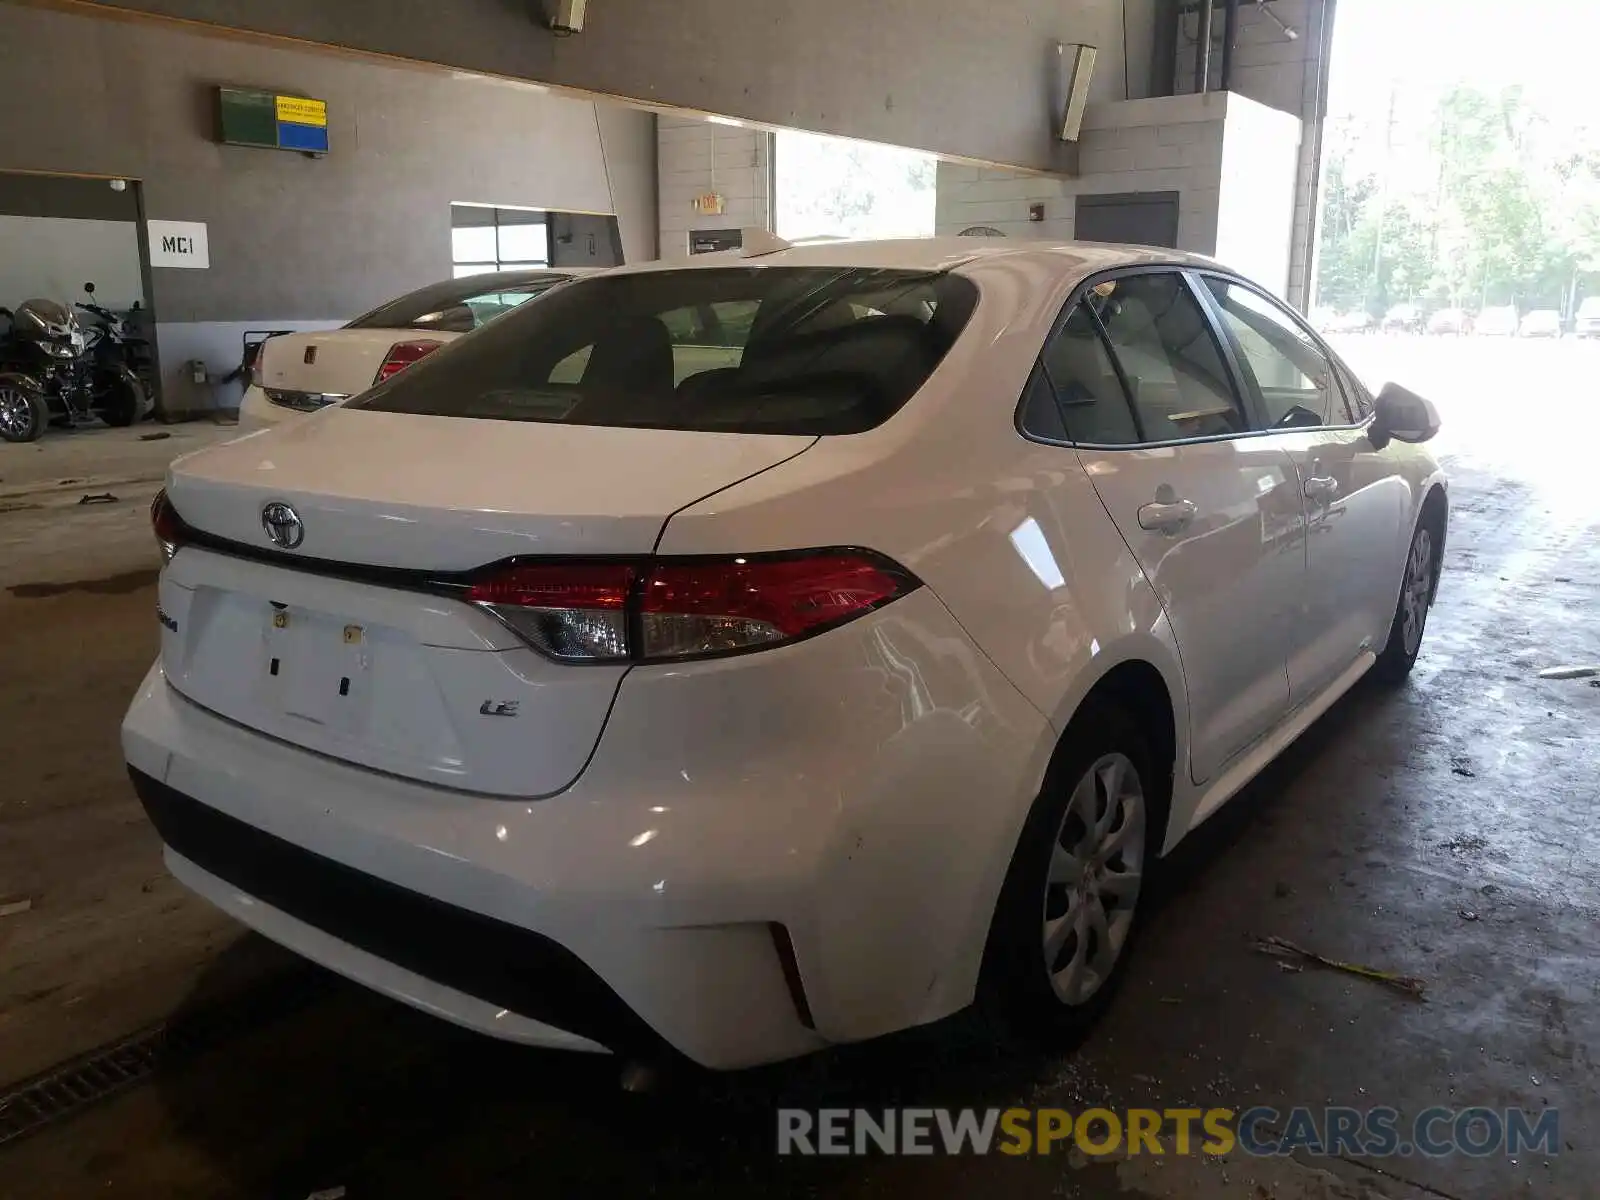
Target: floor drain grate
(74, 1085)
(68, 1088)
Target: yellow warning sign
(297, 110)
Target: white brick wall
(1164, 144)
(695, 157)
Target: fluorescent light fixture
(734, 121)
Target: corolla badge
(282, 524)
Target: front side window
(784, 350)
(1163, 341)
(1293, 376)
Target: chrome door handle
(1169, 517)
(1321, 487)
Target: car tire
(1417, 587)
(1050, 966)
(24, 414)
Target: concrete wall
(1163, 144)
(698, 156)
(1232, 162)
(293, 240)
(954, 76)
(1286, 74)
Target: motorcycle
(110, 338)
(48, 376)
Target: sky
(1549, 47)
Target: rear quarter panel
(1011, 538)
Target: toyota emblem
(282, 525)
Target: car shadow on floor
(358, 1091)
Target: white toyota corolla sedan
(776, 649)
(298, 373)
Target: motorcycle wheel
(23, 414)
(117, 399)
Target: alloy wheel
(1418, 590)
(16, 411)
(1093, 881)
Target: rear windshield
(458, 305)
(796, 350)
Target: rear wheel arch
(1138, 688)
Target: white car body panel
(345, 363)
(862, 789)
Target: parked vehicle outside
(1454, 321)
(1586, 323)
(594, 684)
(1403, 318)
(1540, 323)
(1498, 321)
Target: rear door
(1355, 504)
(1211, 513)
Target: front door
(1354, 504)
(1212, 517)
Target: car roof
(930, 254)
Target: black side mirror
(89, 287)
(1403, 416)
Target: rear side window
(1164, 344)
(784, 350)
(1094, 408)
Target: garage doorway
(1458, 241)
(59, 232)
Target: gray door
(1139, 218)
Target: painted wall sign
(178, 244)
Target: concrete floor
(1444, 830)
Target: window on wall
(830, 187)
(497, 239)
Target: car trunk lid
(307, 370)
(338, 645)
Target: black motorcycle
(48, 376)
(112, 339)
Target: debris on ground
(1282, 948)
(1459, 766)
(159, 436)
(97, 498)
(333, 1193)
(1466, 914)
(10, 906)
(1579, 672)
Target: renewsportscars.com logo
(1379, 1132)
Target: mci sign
(178, 244)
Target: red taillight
(672, 609)
(167, 524)
(401, 355)
(574, 612)
(735, 604)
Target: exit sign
(273, 121)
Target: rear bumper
(863, 790)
